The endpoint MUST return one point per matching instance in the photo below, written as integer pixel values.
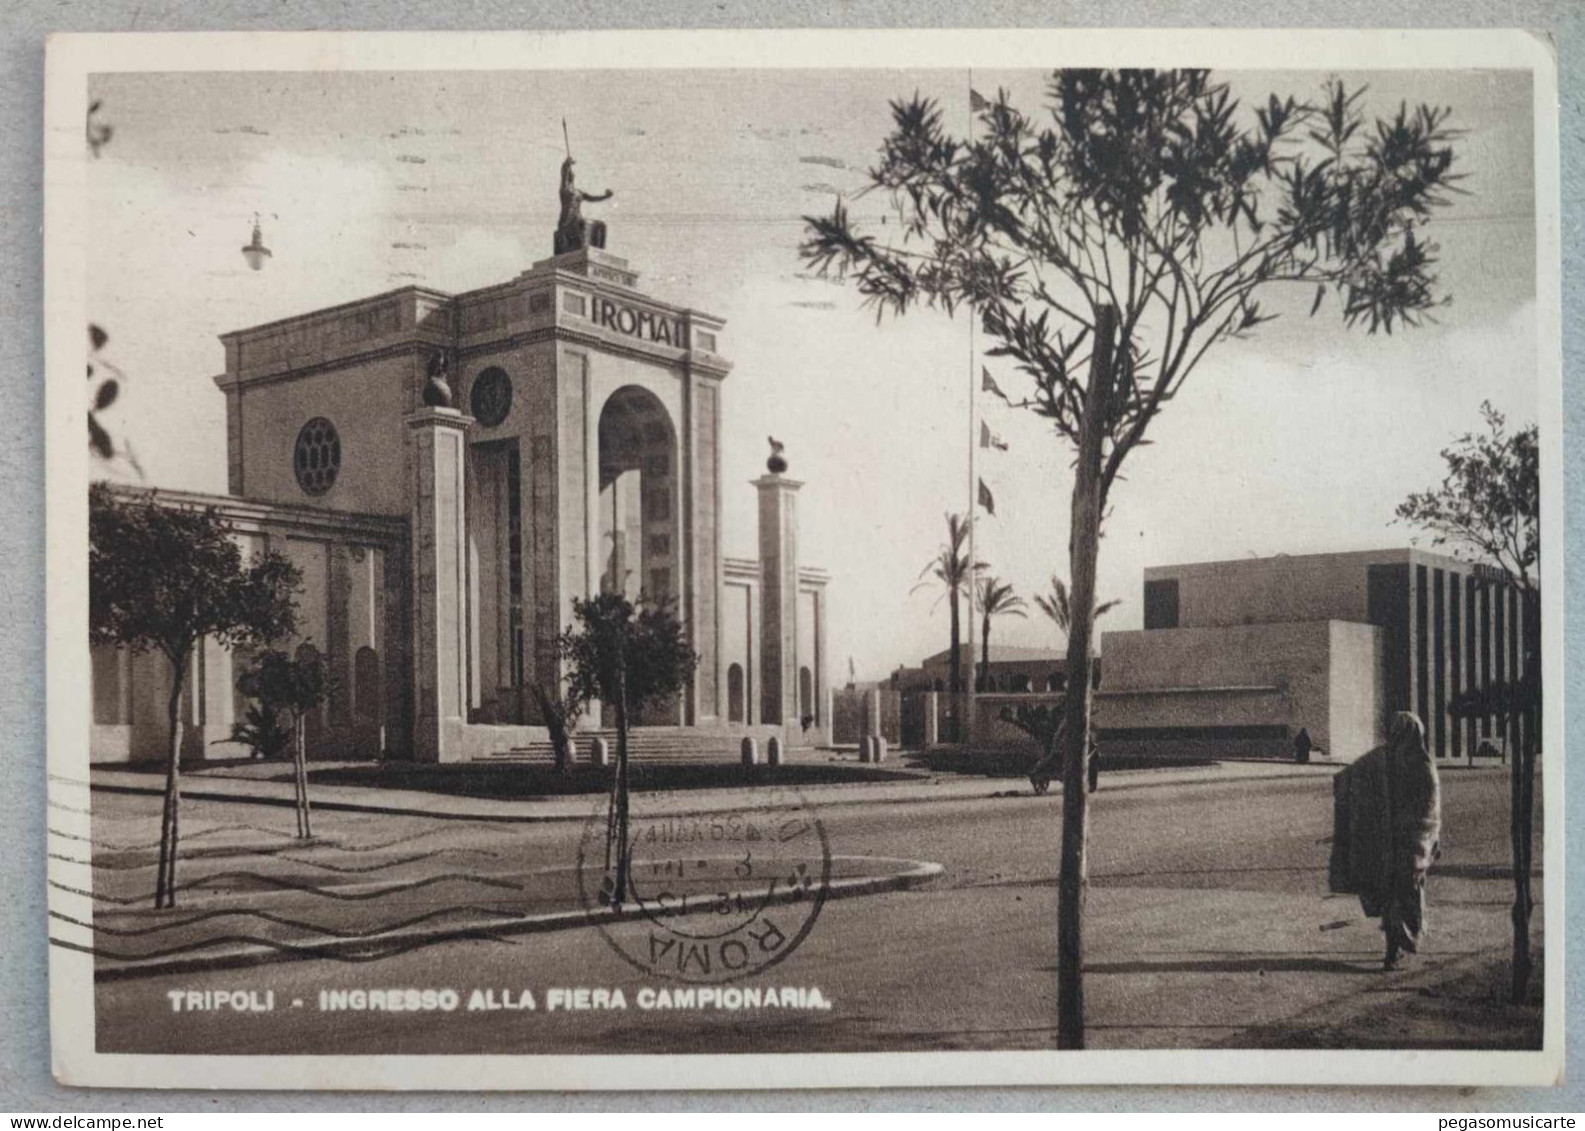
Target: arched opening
(1055, 682)
(638, 489)
(735, 696)
(638, 546)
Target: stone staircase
(644, 744)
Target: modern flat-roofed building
(1236, 657)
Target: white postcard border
(73, 57)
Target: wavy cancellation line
(283, 921)
(283, 834)
(292, 885)
(195, 834)
(301, 950)
(54, 804)
(344, 869)
(365, 869)
(215, 878)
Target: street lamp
(255, 252)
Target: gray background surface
(25, 1083)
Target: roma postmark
(709, 897)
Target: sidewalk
(1461, 1003)
(219, 785)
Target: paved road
(1209, 924)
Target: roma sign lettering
(643, 324)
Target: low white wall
(1323, 676)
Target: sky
(1302, 439)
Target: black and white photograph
(726, 555)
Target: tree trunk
(985, 655)
(621, 790)
(1527, 725)
(165, 881)
(300, 775)
(955, 676)
(1083, 547)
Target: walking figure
(1386, 833)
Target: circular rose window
(491, 398)
(318, 456)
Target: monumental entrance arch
(529, 444)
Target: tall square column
(778, 557)
(439, 567)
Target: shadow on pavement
(1270, 965)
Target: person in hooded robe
(1387, 826)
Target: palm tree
(953, 571)
(996, 599)
(1055, 604)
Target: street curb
(737, 803)
(919, 873)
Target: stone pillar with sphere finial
(778, 557)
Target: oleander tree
(1104, 243)
(285, 691)
(627, 654)
(162, 578)
(1488, 509)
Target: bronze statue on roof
(572, 230)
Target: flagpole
(969, 705)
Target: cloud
(410, 158)
(828, 162)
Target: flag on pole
(977, 101)
(988, 384)
(989, 439)
(987, 500)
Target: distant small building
(1236, 657)
(1012, 669)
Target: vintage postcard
(804, 559)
